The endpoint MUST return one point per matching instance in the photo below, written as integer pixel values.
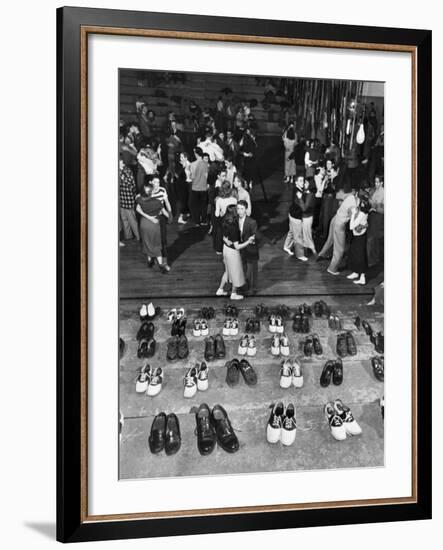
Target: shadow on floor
(45, 529)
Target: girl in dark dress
(150, 210)
(357, 256)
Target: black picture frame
(71, 523)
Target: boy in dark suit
(248, 228)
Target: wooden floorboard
(196, 269)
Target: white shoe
(155, 383)
(352, 276)
(284, 345)
(141, 384)
(333, 272)
(172, 315)
(143, 311)
(336, 424)
(272, 324)
(227, 327)
(221, 292)
(181, 220)
(180, 313)
(190, 383)
(203, 377)
(275, 345)
(275, 422)
(243, 345)
(196, 331)
(252, 346)
(289, 426)
(279, 329)
(204, 327)
(288, 251)
(122, 244)
(151, 309)
(234, 327)
(297, 374)
(285, 374)
(361, 281)
(302, 258)
(344, 412)
(235, 296)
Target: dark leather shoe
(367, 328)
(183, 349)
(378, 367)
(211, 313)
(249, 325)
(209, 348)
(357, 322)
(325, 308)
(151, 345)
(297, 324)
(173, 438)
(206, 437)
(341, 348)
(318, 310)
(248, 373)
(379, 342)
(172, 350)
(325, 377)
(158, 433)
(220, 348)
(318, 349)
(175, 327)
(225, 433)
(232, 373)
(121, 347)
(305, 323)
(146, 331)
(257, 325)
(337, 374)
(142, 350)
(182, 326)
(350, 343)
(308, 346)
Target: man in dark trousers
(248, 228)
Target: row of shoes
(196, 378)
(149, 381)
(215, 347)
(176, 313)
(280, 345)
(146, 342)
(252, 325)
(231, 311)
(276, 324)
(311, 345)
(214, 426)
(291, 374)
(301, 323)
(346, 344)
(333, 369)
(282, 424)
(148, 312)
(165, 434)
(200, 328)
(178, 348)
(321, 309)
(230, 327)
(207, 313)
(233, 370)
(378, 368)
(334, 322)
(247, 345)
(341, 421)
(178, 327)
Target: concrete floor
(249, 408)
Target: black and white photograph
(251, 274)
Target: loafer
(232, 373)
(155, 382)
(203, 377)
(341, 347)
(337, 373)
(157, 436)
(378, 368)
(335, 423)
(297, 324)
(367, 327)
(326, 375)
(318, 349)
(344, 412)
(305, 324)
(220, 348)
(209, 348)
(243, 345)
(379, 342)
(183, 349)
(173, 438)
(172, 349)
(226, 437)
(190, 383)
(308, 346)
(248, 373)
(275, 423)
(142, 350)
(297, 374)
(146, 331)
(350, 343)
(206, 437)
(286, 374)
(289, 426)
